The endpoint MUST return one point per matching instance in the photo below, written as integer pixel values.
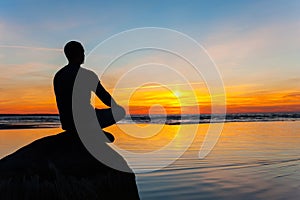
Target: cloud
(30, 48)
(234, 46)
(293, 95)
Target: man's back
(64, 84)
(63, 87)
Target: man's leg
(109, 136)
(108, 117)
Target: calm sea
(12, 121)
(258, 159)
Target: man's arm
(104, 96)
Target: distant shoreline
(11, 127)
(56, 114)
(35, 120)
(29, 114)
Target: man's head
(74, 52)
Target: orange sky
(158, 100)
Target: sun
(177, 93)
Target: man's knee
(121, 112)
(118, 113)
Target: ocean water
(52, 121)
(28, 121)
(251, 160)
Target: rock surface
(59, 167)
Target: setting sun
(177, 94)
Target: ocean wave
(52, 121)
(207, 118)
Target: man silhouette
(64, 81)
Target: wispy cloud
(231, 46)
(30, 47)
(151, 86)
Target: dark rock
(59, 167)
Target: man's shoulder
(69, 71)
(86, 70)
(87, 73)
(59, 73)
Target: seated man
(63, 87)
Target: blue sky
(50, 24)
(255, 44)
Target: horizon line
(1, 114)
